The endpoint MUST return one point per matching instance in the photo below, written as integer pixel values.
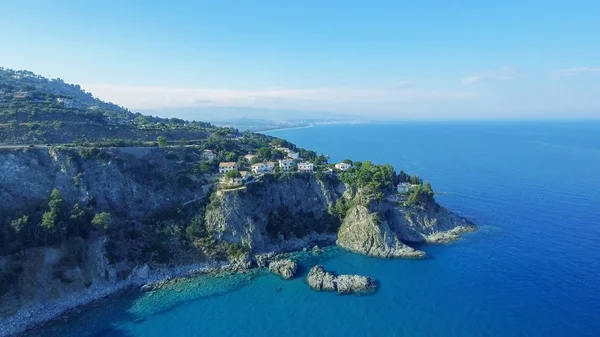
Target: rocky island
(95, 199)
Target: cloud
(326, 98)
(569, 72)
(501, 74)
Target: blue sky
(395, 59)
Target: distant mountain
(35, 110)
(233, 113)
(255, 124)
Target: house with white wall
(209, 155)
(404, 188)
(306, 167)
(271, 165)
(225, 167)
(293, 155)
(286, 164)
(259, 168)
(342, 166)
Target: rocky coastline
(244, 228)
(29, 317)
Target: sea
(531, 269)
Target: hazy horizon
(382, 60)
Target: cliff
(275, 212)
(164, 214)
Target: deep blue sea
(532, 268)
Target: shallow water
(532, 268)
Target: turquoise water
(532, 269)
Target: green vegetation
(49, 218)
(421, 195)
(162, 141)
(102, 221)
(375, 179)
(233, 174)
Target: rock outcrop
(321, 280)
(286, 269)
(276, 213)
(367, 233)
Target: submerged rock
(320, 280)
(284, 268)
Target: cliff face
(273, 214)
(367, 233)
(130, 181)
(268, 214)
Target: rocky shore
(286, 268)
(34, 315)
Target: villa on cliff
(290, 154)
(306, 167)
(271, 165)
(225, 167)
(293, 155)
(260, 168)
(21, 94)
(286, 164)
(404, 188)
(209, 155)
(342, 166)
(245, 175)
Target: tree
(49, 218)
(102, 221)
(264, 153)
(162, 141)
(233, 174)
(416, 180)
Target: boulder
(347, 284)
(320, 280)
(286, 269)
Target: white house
(249, 157)
(286, 164)
(225, 167)
(293, 155)
(67, 102)
(21, 94)
(271, 165)
(404, 188)
(209, 155)
(305, 167)
(342, 166)
(245, 175)
(260, 168)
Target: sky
(396, 59)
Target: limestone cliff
(275, 212)
(367, 233)
(163, 218)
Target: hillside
(116, 199)
(37, 110)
